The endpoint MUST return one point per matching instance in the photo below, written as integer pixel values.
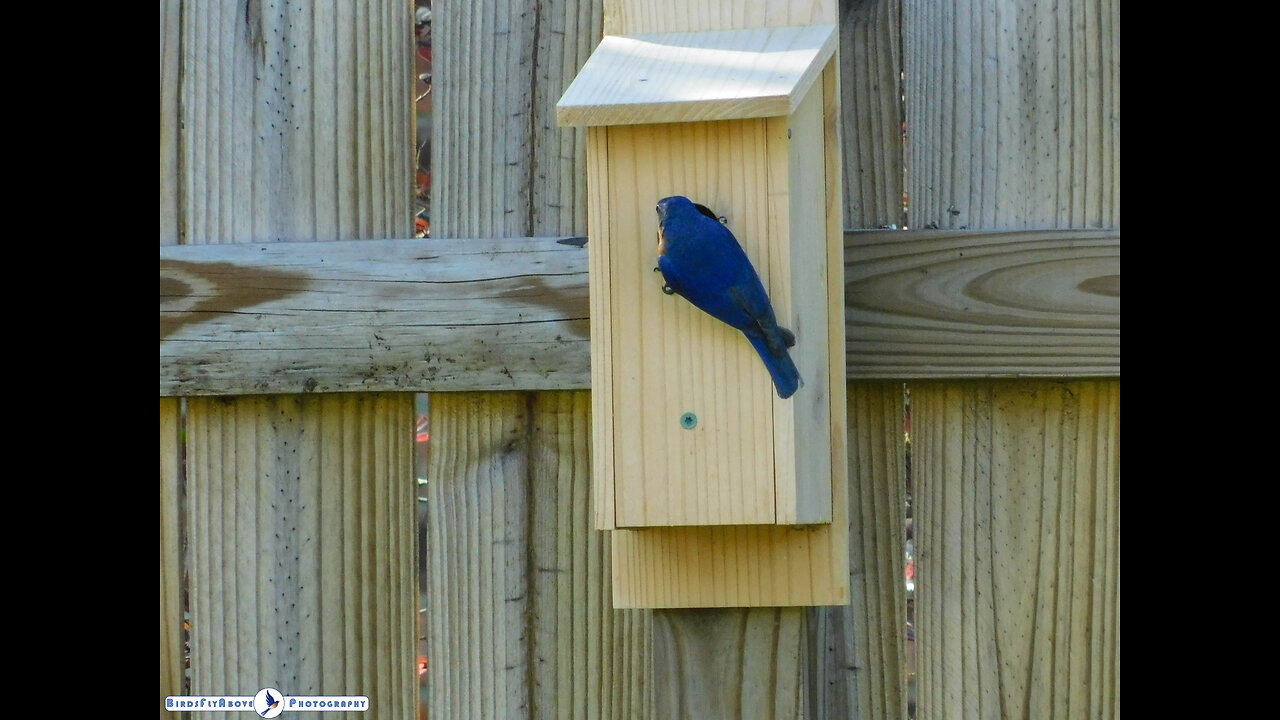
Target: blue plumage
(703, 262)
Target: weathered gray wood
(1013, 114)
(858, 665)
(521, 622)
(409, 315)
(1013, 123)
(301, 543)
(512, 314)
(289, 121)
(1018, 538)
(172, 657)
(870, 102)
(729, 663)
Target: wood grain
(172, 631)
(721, 471)
(511, 503)
(697, 76)
(729, 663)
(302, 558)
(974, 304)
(859, 668)
(344, 316)
(284, 137)
(1018, 537)
(624, 17)
(587, 659)
(872, 114)
(520, 623)
(1012, 114)
(478, 577)
(513, 314)
(290, 121)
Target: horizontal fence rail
(512, 314)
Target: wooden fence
(287, 502)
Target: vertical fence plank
(298, 549)
(478, 595)
(860, 664)
(1013, 114)
(858, 651)
(1018, 583)
(502, 167)
(871, 105)
(577, 673)
(1013, 122)
(519, 620)
(292, 121)
(172, 635)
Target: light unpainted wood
(602, 308)
(813, 260)
(751, 458)
(730, 663)
(857, 668)
(519, 622)
(697, 76)
(722, 470)
(172, 632)
(745, 566)
(980, 304)
(380, 314)
(623, 17)
(1012, 122)
(1018, 541)
(300, 515)
(1012, 114)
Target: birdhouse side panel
(602, 460)
(798, 145)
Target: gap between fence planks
(512, 314)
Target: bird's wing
(756, 306)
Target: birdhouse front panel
(696, 433)
(692, 403)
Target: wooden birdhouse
(719, 492)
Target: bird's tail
(786, 378)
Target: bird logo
(267, 702)
(701, 261)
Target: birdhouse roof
(697, 76)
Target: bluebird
(702, 261)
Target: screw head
(688, 421)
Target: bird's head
(672, 207)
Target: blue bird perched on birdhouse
(703, 262)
